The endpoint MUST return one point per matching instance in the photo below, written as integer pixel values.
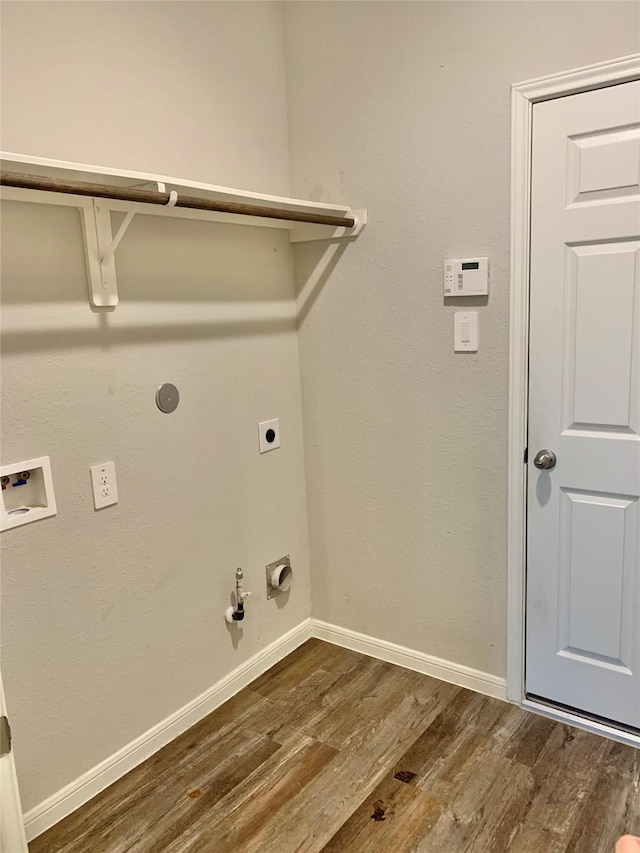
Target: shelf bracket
(96, 227)
(100, 248)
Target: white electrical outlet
(269, 434)
(105, 487)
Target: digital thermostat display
(466, 277)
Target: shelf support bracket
(96, 226)
(100, 248)
(126, 222)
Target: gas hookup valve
(236, 614)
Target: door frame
(523, 97)
(12, 831)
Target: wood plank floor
(336, 752)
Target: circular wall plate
(167, 398)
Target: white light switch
(465, 331)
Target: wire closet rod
(56, 185)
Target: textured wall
(405, 440)
(191, 90)
(114, 619)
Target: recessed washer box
(27, 492)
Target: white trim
(12, 834)
(518, 391)
(82, 789)
(596, 76)
(523, 97)
(581, 722)
(454, 673)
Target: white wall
(187, 89)
(404, 108)
(113, 620)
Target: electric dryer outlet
(269, 435)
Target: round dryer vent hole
(279, 577)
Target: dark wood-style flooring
(333, 751)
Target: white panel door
(583, 560)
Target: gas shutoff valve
(236, 614)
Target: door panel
(604, 165)
(603, 291)
(583, 553)
(595, 529)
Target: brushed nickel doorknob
(545, 459)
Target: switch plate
(105, 487)
(465, 331)
(269, 435)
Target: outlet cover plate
(105, 486)
(265, 430)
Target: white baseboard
(82, 789)
(454, 673)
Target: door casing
(12, 832)
(523, 97)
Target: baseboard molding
(454, 673)
(82, 789)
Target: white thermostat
(466, 277)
